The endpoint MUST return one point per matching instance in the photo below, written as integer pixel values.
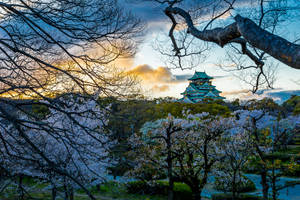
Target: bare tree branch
(277, 47)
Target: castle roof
(210, 94)
(197, 91)
(200, 75)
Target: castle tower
(200, 88)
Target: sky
(159, 80)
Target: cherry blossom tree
(268, 134)
(236, 148)
(187, 149)
(155, 148)
(71, 145)
(49, 48)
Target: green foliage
(150, 173)
(136, 187)
(115, 190)
(176, 109)
(127, 117)
(181, 190)
(228, 196)
(284, 161)
(246, 186)
(40, 111)
(265, 103)
(293, 169)
(281, 156)
(292, 104)
(236, 102)
(296, 110)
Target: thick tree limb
(277, 47)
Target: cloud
(220, 77)
(183, 77)
(278, 95)
(162, 88)
(159, 75)
(157, 80)
(124, 62)
(152, 13)
(235, 92)
(160, 79)
(150, 75)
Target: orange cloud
(158, 81)
(123, 62)
(162, 88)
(150, 75)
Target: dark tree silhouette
(52, 47)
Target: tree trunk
(53, 193)
(170, 177)
(20, 188)
(233, 186)
(265, 186)
(274, 189)
(170, 189)
(196, 193)
(66, 192)
(170, 166)
(98, 186)
(71, 193)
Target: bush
(294, 172)
(181, 190)
(137, 187)
(229, 197)
(281, 156)
(284, 157)
(244, 186)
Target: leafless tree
(250, 40)
(51, 47)
(270, 16)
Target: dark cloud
(219, 77)
(152, 12)
(148, 12)
(183, 77)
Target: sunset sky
(159, 81)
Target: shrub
(137, 187)
(295, 172)
(244, 186)
(228, 196)
(40, 111)
(181, 190)
(281, 156)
